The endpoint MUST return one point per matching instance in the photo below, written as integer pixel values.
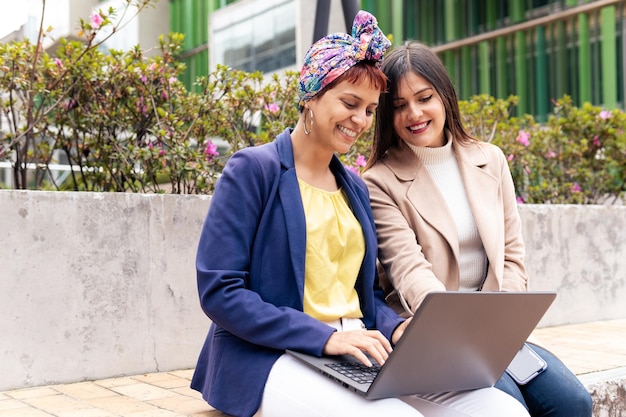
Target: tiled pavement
(586, 348)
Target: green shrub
(123, 122)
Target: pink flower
(172, 80)
(210, 150)
(596, 141)
(273, 107)
(152, 66)
(576, 188)
(605, 114)
(523, 138)
(360, 161)
(519, 200)
(96, 20)
(58, 62)
(551, 154)
(510, 157)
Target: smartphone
(526, 365)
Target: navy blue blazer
(250, 272)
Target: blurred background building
(539, 50)
(21, 19)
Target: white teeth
(347, 131)
(419, 126)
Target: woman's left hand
(397, 334)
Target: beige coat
(417, 236)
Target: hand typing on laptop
(356, 342)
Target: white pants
(293, 389)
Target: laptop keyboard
(356, 371)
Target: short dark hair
(362, 70)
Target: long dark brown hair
(421, 60)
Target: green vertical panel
(541, 71)
(491, 16)
(584, 59)
(199, 25)
(185, 12)
(396, 22)
(516, 10)
(521, 85)
(561, 74)
(383, 15)
(450, 14)
(517, 15)
(428, 21)
(609, 57)
(411, 20)
(501, 68)
(449, 58)
(484, 68)
(474, 19)
(174, 16)
(370, 6)
(466, 70)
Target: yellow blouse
(335, 247)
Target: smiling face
(419, 115)
(343, 113)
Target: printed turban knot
(333, 55)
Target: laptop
(456, 341)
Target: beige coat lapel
(424, 195)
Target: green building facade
(538, 50)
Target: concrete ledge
(100, 285)
(608, 390)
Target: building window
(255, 36)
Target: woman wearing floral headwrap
(287, 258)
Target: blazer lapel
(289, 192)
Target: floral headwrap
(333, 55)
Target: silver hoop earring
(309, 130)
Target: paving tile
(25, 412)
(183, 405)
(154, 413)
(56, 404)
(120, 405)
(37, 392)
(87, 412)
(116, 382)
(587, 347)
(183, 373)
(11, 404)
(163, 380)
(143, 392)
(84, 390)
(186, 391)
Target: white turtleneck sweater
(443, 167)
